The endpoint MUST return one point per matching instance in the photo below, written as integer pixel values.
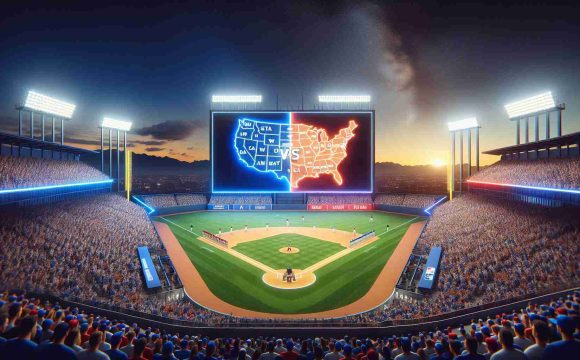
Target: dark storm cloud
(151, 142)
(171, 129)
(154, 149)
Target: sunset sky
(158, 63)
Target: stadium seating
(23, 172)
(547, 330)
(553, 172)
(159, 201)
(407, 200)
(190, 199)
(240, 199)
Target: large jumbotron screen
(298, 151)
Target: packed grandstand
(39, 329)
(496, 250)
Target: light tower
(344, 102)
(236, 102)
(534, 107)
(118, 125)
(462, 126)
(44, 105)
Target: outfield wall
(179, 209)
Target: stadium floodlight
(531, 105)
(116, 124)
(464, 124)
(46, 104)
(344, 98)
(236, 98)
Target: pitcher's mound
(275, 279)
(289, 250)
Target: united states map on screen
(292, 151)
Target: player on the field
(303, 219)
(371, 219)
(267, 226)
(387, 227)
(314, 227)
(231, 228)
(289, 249)
(220, 231)
(245, 227)
(354, 231)
(191, 228)
(287, 222)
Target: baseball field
(244, 278)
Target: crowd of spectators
(240, 199)
(83, 249)
(190, 199)
(159, 201)
(496, 249)
(339, 199)
(418, 201)
(171, 200)
(554, 172)
(33, 329)
(22, 172)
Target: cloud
(171, 129)
(150, 142)
(154, 149)
(85, 141)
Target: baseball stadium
(291, 233)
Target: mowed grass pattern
(267, 251)
(338, 284)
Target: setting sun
(438, 163)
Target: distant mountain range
(144, 165)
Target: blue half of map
(264, 146)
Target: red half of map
(317, 153)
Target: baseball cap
(565, 322)
(116, 338)
(60, 330)
(347, 349)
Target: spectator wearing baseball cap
(166, 352)
(568, 347)
(114, 353)
(347, 352)
(541, 333)
(334, 353)
(520, 340)
(22, 346)
(439, 352)
(507, 352)
(492, 347)
(184, 352)
(56, 349)
(407, 353)
(289, 354)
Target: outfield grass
(338, 284)
(267, 250)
